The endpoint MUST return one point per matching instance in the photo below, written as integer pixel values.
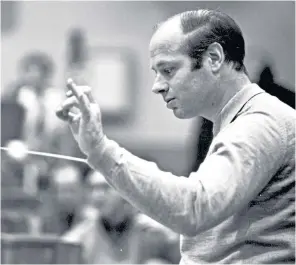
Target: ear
(216, 55)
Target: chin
(180, 114)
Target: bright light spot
(17, 150)
(96, 178)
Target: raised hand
(86, 124)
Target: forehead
(167, 39)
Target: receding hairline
(196, 24)
(180, 15)
(183, 45)
(157, 26)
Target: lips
(168, 100)
(170, 103)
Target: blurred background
(62, 208)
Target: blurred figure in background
(22, 116)
(32, 91)
(42, 131)
(35, 95)
(66, 200)
(115, 236)
(123, 234)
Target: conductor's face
(183, 89)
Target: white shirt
(228, 211)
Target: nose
(160, 87)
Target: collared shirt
(239, 207)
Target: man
(239, 206)
(65, 200)
(124, 235)
(114, 235)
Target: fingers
(74, 118)
(83, 100)
(84, 89)
(63, 115)
(64, 111)
(74, 88)
(67, 116)
(69, 93)
(78, 96)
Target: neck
(228, 85)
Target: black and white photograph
(147, 132)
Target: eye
(168, 71)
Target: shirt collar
(234, 105)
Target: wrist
(98, 148)
(103, 156)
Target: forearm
(166, 198)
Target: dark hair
(203, 27)
(41, 60)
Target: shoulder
(260, 115)
(261, 128)
(268, 113)
(267, 105)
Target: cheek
(199, 88)
(189, 90)
(192, 92)
(182, 88)
(194, 98)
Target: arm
(245, 157)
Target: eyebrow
(161, 63)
